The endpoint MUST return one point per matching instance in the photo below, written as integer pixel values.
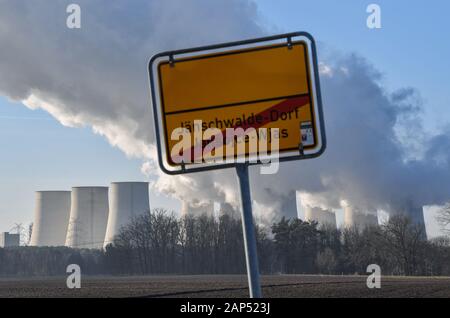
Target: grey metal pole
(248, 228)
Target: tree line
(160, 243)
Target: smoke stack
(88, 217)
(51, 218)
(128, 200)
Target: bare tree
(29, 233)
(443, 218)
(404, 240)
(159, 243)
(20, 229)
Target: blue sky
(411, 49)
(38, 153)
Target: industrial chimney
(88, 217)
(51, 218)
(127, 200)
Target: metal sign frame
(242, 168)
(171, 57)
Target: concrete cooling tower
(88, 217)
(323, 217)
(51, 218)
(415, 213)
(354, 217)
(128, 200)
(418, 218)
(289, 207)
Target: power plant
(88, 217)
(51, 218)
(289, 207)
(309, 213)
(127, 200)
(415, 213)
(9, 240)
(319, 215)
(355, 218)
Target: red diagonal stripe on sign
(285, 106)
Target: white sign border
(170, 56)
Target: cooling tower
(349, 213)
(415, 213)
(354, 217)
(184, 208)
(364, 220)
(88, 217)
(418, 218)
(323, 217)
(128, 200)
(51, 218)
(289, 206)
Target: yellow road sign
(269, 85)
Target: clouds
(97, 75)
(378, 153)
(368, 159)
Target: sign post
(248, 229)
(224, 106)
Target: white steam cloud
(378, 154)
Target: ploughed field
(225, 286)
